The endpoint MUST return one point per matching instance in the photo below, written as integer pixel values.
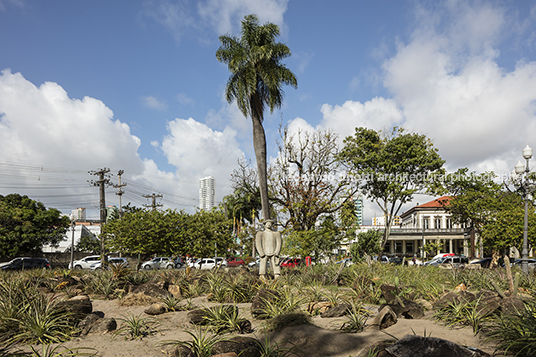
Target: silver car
(86, 262)
(159, 263)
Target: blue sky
(135, 85)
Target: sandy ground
(323, 338)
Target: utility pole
(120, 192)
(153, 205)
(104, 179)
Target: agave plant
(137, 326)
(201, 345)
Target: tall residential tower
(207, 193)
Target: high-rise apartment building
(207, 192)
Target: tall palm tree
(256, 80)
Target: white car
(112, 261)
(159, 263)
(209, 263)
(86, 262)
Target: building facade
(425, 223)
(207, 193)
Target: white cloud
(198, 151)
(377, 113)
(225, 16)
(154, 103)
(452, 89)
(43, 125)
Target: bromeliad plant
(137, 327)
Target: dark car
(484, 262)
(25, 263)
(235, 262)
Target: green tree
(257, 77)
(317, 242)
(26, 225)
(170, 232)
(495, 212)
(392, 168)
(88, 244)
(368, 242)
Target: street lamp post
(523, 184)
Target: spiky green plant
(201, 345)
(515, 334)
(289, 301)
(41, 320)
(463, 313)
(224, 318)
(356, 318)
(137, 327)
(172, 303)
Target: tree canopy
(26, 225)
(491, 208)
(392, 167)
(170, 232)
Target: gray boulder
(418, 346)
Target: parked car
(209, 263)
(86, 262)
(291, 262)
(116, 261)
(178, 262)
(453, 260)
(484, 262)
(25, 263)
(235, 262)
(159, 263)
(435, 260)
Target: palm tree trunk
(259, 145)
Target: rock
(408, 309)
(427, 305)
(156, 309)
(79, 306)
(105, 325)
(488, 306)
(258, 302)
(512, 305)
(150, 289)
(243, 346)
(388, 292)
(182, 351)
(175, 290)
(315, 308)
(446, 300)
(417, 346)
(229, 354)
(85, 324)
(337, 311)
(386, 317)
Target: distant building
(207, 193)
(78, 214)
(380, 221)
(81, 229)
